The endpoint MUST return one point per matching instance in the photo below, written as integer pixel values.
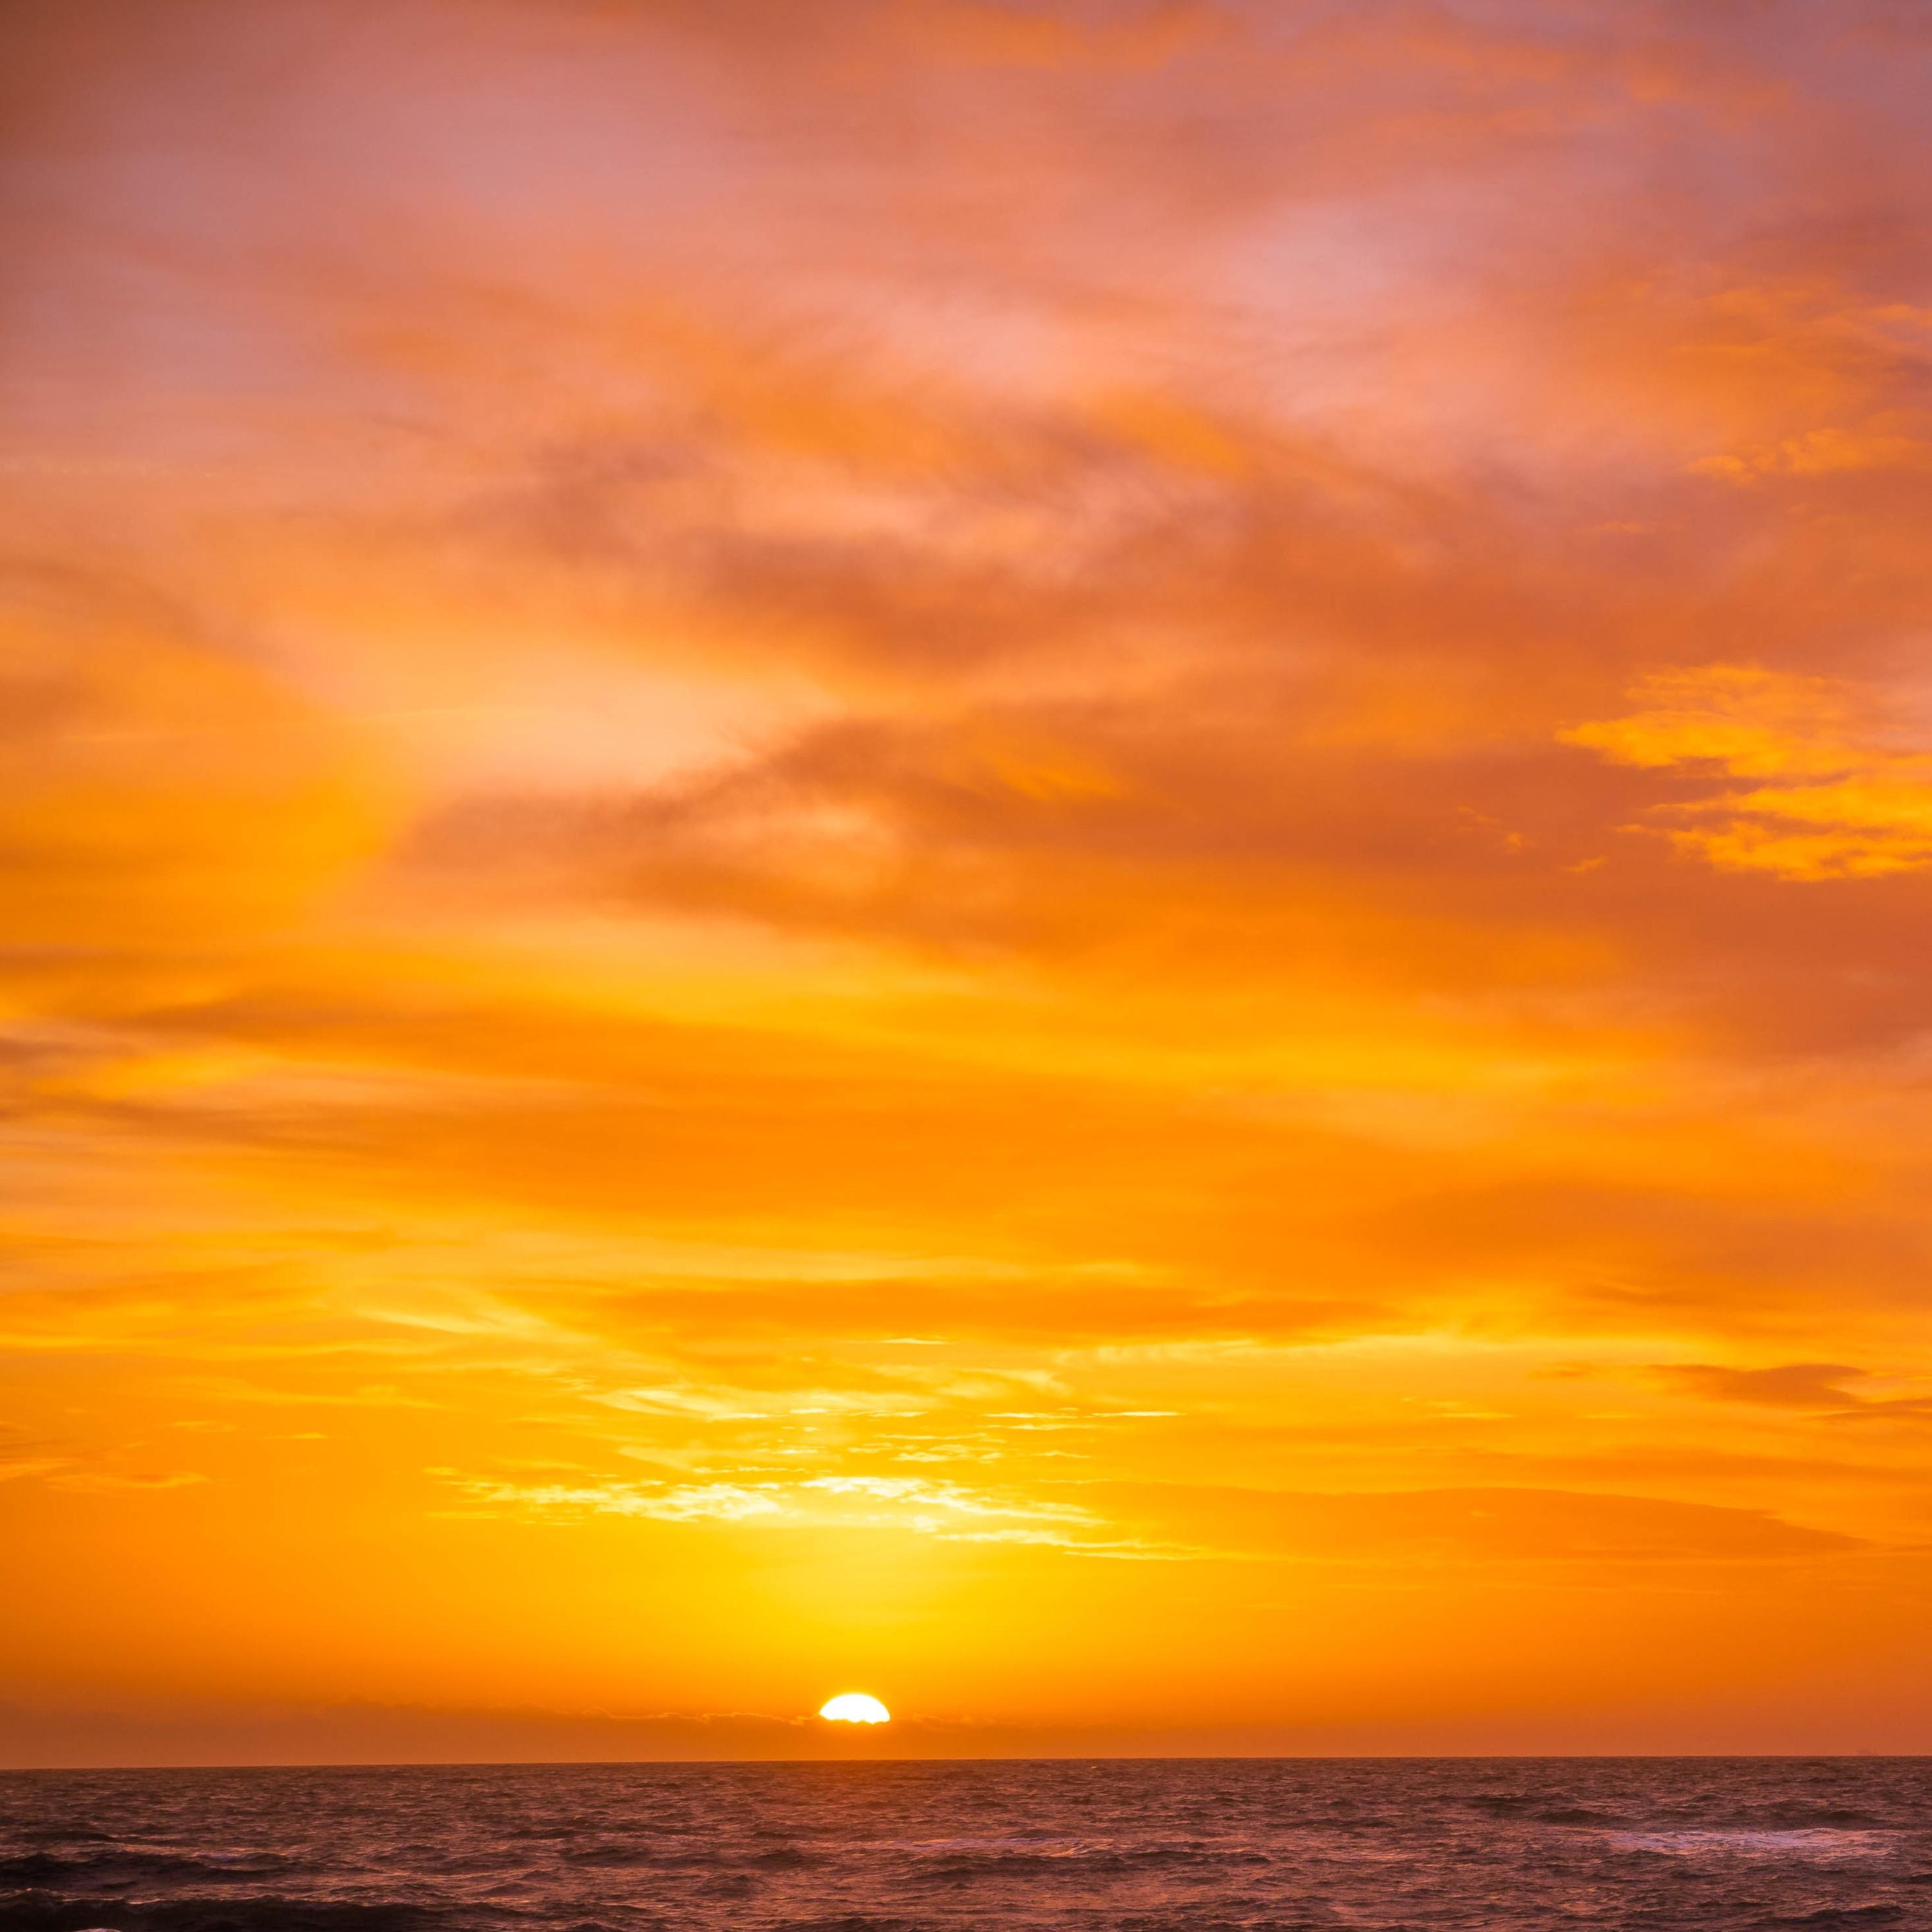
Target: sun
(854, 1707)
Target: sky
(1071, 860)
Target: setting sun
(854, 1707)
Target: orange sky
(1071, 860)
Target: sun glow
(854, 1707)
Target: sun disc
(854, 1707)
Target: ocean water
(1142, 1846)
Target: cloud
(1805, 1385)
(1197, 1522)
(914, 1504)
(1815, 1387)
(1845, 810)
(1502, 1525)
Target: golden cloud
(1849, 808)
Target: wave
(1041, 1846)
(122, 1865)
(36, 1911)
(1848, 1916)
(1742, 1842)
(853, 1921)
(649, 1857)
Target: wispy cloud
(918, 1507)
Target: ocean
(1142, 1846)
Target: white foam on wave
(1813, 1843)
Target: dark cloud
(1805, 1385)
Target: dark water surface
(1705, 1842)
